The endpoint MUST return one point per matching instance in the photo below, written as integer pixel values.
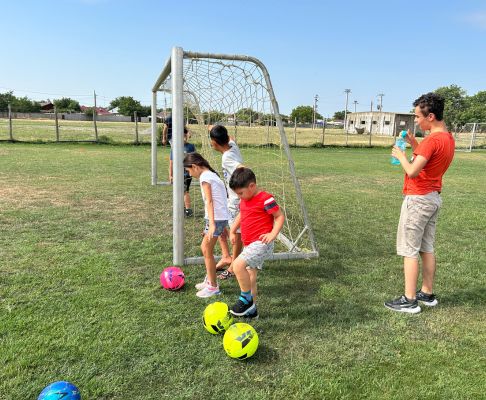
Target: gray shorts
(416, 228)
(220, 225)
(255, 253)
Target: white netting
(235, 94)
(470, 136)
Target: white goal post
(235, 91)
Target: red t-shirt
(438, 149)
(256, 216)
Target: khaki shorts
(416, 228)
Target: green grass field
(84, 237)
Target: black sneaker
(428, 300)
(253, 314)
(241, 309)
(402, 304)
(188, 212)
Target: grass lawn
(84, 237)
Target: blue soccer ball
(60, 390)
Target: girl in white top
(216, 216)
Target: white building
(379, 123)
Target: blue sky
(69, 48)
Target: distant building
(379, 123)
(47, 106)
(99, 110)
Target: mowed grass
(84, 237)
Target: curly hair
(431, 103)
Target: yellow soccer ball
(217, 318)
(240, 341)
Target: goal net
(471, 136)
(200, 90)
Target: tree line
(459, 109)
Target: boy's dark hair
(197, 159)
(219, 134)
(431, 103)
(241, 178)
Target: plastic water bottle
(400, 143)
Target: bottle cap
(403, 134)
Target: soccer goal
(470, 136)
(200, 90)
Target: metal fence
(52, 130)
(63, 130)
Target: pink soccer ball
(172, 278)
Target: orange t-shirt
(438, 149)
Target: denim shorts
(220, 226)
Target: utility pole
(355, 103)
(347, 91)
(380, 95)
(94, 117)
(316, 99)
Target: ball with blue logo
(60, 391)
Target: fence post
(295, 132)
(136, 126)
(95, 113)
(57, 124)
(323, 130)
(10, 122)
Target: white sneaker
(202, 285)
(208, 291)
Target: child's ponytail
(197, 159)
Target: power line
(48, 94)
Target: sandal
(225, 275)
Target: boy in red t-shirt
(260, 220)
(422, 187)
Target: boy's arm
(411, 169)
(164, 134)
(234, 228)
(278, 221)
(170, 171)
(236, 224)
(210, 205)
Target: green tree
(88, 111)
(67, 104)
(213, 116)
(248, 115)
(454, 104)
(5, 99)
(127, 105)
(475, 108)
(24, 104)
(19, 104)
(339, 115)
(304, 114)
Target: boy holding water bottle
(422, 187)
